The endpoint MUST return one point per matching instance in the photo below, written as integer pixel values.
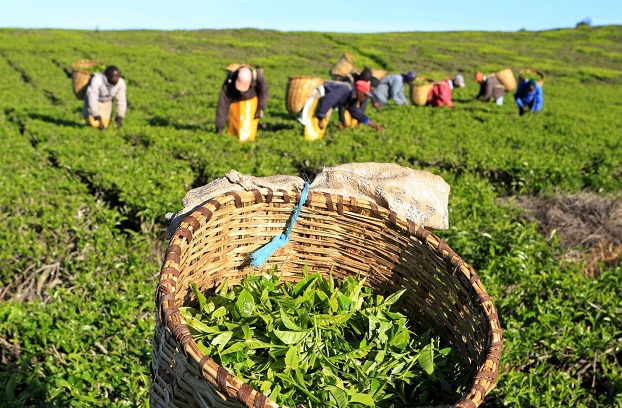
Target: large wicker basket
(419, 93)
(344, 67)
(351, 236)
(234, 66)
(507, 79)
(80, 77)
(531, 72)
(378, 73)
(299, 88)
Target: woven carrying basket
(535, 72)
(419, 93)
(378, 73)
(507, 79)
(80, 77)
(344, 66)
(232, 67)
(299, 87)
(351, 236)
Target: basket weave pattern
(522, 72)
(378, 73)
(349, 235)
(507, 79)
(80, 78)
(419, 93)
(299, 88)
(344, 66)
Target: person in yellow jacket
(242, 102)
(101, 90)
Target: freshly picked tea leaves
(322, 343)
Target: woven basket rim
(485, 376)
(538, 72)
(379, 73)
(504, 72)
(76, 65)
(425, 79)
(294, 77)
(531, 70)
(298, 90)
(348, 57)
(419, 92)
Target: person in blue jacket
(344, 96)
(529, 97)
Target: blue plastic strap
(259, 256)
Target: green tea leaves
(245, 303)
(426, 359)
(291, 337)
(322, 343)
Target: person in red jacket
(440, 95)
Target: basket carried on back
(80, 75)
(419, 92)
(378, 73)
(353, 237)
(344, 67)
(299, 88)
(234, 66)
(507, 79)
(527, 73)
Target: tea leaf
(426, 359)
(361, 398)
(291, 337)
(245, 303)
(199, 295)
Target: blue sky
(363, 16)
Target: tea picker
(242, 102)
(101, 91)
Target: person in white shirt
(102, 89)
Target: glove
(259, 114)
(100, 121)
(119, 122)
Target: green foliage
(82, 231)
(321, 343)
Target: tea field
(82, 232)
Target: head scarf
(459, 80)
(410, 76)
(479, 77)
(362, 86)
(532, 82)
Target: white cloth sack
(417, 195)
(316, 94)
